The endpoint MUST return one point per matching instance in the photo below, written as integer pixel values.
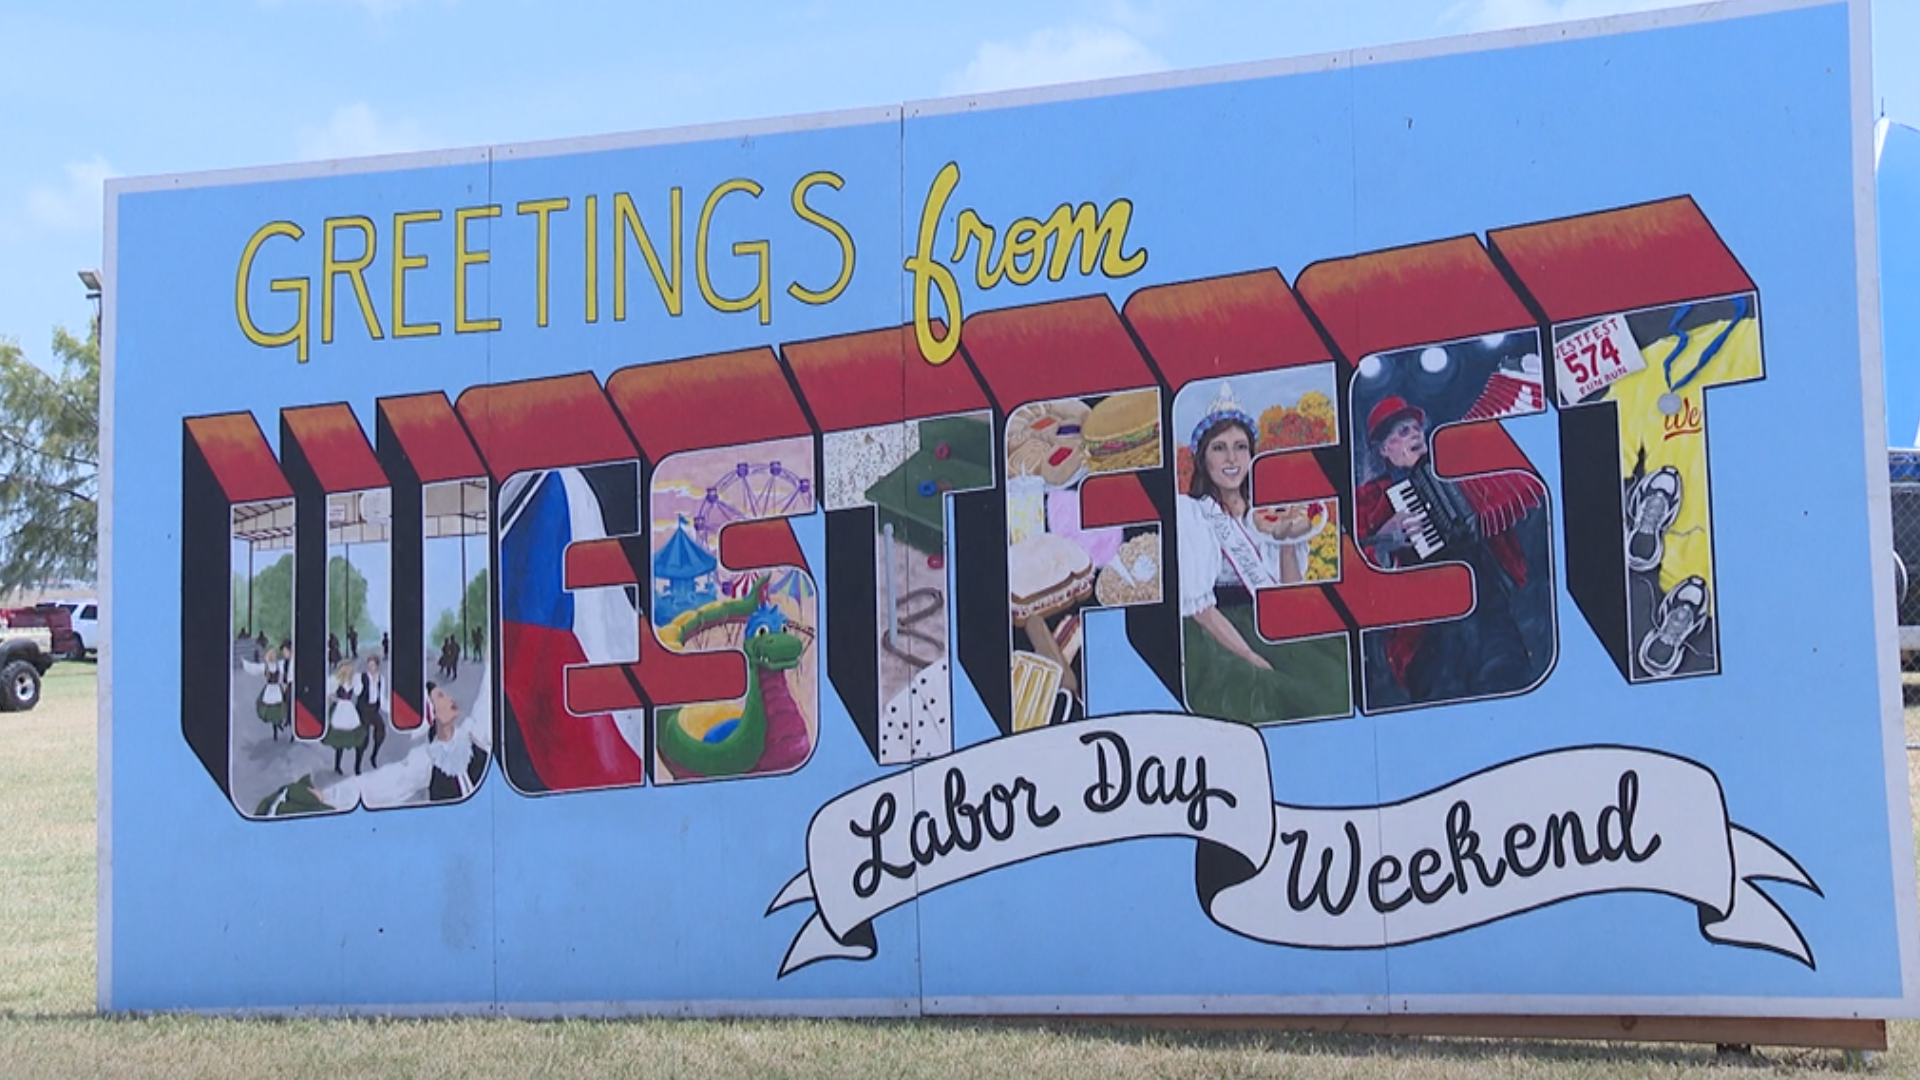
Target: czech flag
(545, 629)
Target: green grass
(47, 1026)
(46, 849)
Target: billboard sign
(1388, 531)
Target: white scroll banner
(1500, 842)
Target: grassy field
(47, 1026)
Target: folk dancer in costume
(456, 749)
(1483, 652)
(344, 728)
(1226, 551)
(371, 703)
(446, 767)
(271, 705)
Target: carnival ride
(748, 491)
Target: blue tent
(684, 572)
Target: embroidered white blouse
(1203, 566)
(405, 781)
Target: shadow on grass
(1440, 1050)
(1458, 1049)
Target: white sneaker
(1680, 615)
(1653, 502)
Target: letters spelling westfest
(1084, 458)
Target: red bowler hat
(1391, 408)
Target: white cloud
(74, 206)
(1055, 55)
(356, 130)
(1474, 15)
(1145, 22)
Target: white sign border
(1900, 825)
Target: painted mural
(1001, 543)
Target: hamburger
(1047, 574)
(1123, 432)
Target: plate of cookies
(1043, 439)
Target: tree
(347, 603)
(449, 624)
(49, 463)
(273, 601)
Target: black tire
(19, 686)
(79, 650)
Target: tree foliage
(473, 627)
(271, 596)
(49, 463)
(347, 603)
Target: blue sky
(133, 87)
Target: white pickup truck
(85, 616)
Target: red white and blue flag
(546, 629)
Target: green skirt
(1309, 680)
(345, 740)
(271, 714)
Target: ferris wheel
(748, 491)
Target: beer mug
(1038, 699)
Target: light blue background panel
(656, 899)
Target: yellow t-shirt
(1681, 440)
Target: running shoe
(1680, 615)
(1653, 502)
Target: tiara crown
(1225, 406)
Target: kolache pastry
(1044, 440)
(1062, 464)
(1061, 418)
(1025, 458)
(1123, 432)
(1046, 575)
